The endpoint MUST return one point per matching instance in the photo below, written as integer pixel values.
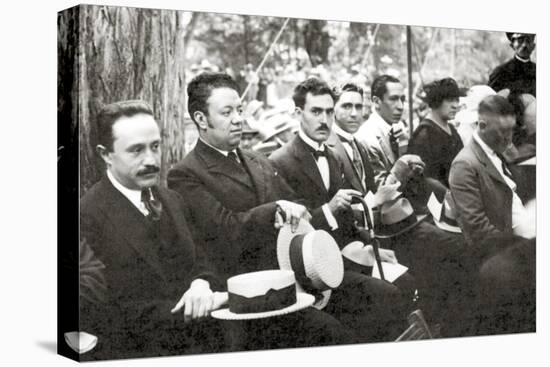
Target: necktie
(357, 161)
(154, 207)
(319, 153)
(233, 156)
(394, 145)
(505, 168)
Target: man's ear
(201, 119)
(103, 153)
(376, 101)
(298, 112)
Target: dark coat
(144, 278)
(297, 166)
(232, 207)
(515, 75)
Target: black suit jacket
(232, 207)
(297, 166)
(516, 75)
(143, 279)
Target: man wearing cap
(316, 174)
(492, 218)
(237, 202)
(518, 74)
(138, 240)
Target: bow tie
(319, 153)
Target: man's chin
(147, 182)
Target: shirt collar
(133, 195)
(224, 152)
(490, 152)
(344, 134)
(522, 60)
(381, 123)
(313, 144)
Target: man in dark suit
(493, 220)
(518, 74)
(137, 231)
(316, 174)
(237, 202)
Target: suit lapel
(257, 174)
(487, 163)
(369, 183)
(307, 162)
(131, 224)
(385, 147)
(349, 171)
(218, 164)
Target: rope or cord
(266, 56)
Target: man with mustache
(518, 75)
(237, 203)
(138, 236)
(372, 307)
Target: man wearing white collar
(155, 279)
(371, 307)
(518, 74)
(492, 218)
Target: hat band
(297, 262)
(273, 300)
(397, 227)
(448, 220)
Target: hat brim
(447, 227)
(419, 219)
(303, 300)
(283, 242)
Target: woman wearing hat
(435, 140)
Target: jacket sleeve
(466, 192)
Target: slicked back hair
(313, 86)
(347, 87)
(201, 87)
(379, 87)
(102, 132)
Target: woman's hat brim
(419, 218)
(303, 300)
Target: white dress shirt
(518, 210)
(224, 152)
(133, 195)
(324, 170)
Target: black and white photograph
(245, 185)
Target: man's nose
(151, 157)
(237, 119)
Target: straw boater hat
(262, 294)
(314, 257)
(396, 217)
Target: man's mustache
(149, 170)
(323, 128)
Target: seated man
(371, 306)
(140, 255)
(492, 218)
(237, 202)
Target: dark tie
(505, 168)
(233, 156)
(394, 145)
(154, 207)
(319, 153)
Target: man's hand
(399, 131)
(388, 256)
(407, 166)
(386, 192)
(290, 213)
(197, 301)
(342, 200)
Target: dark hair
(337, 91)
(314, 86)
(200, 88)
(109, 114)
(379, 88)
(440, 90)
(496, 105)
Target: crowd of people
(160, 262)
